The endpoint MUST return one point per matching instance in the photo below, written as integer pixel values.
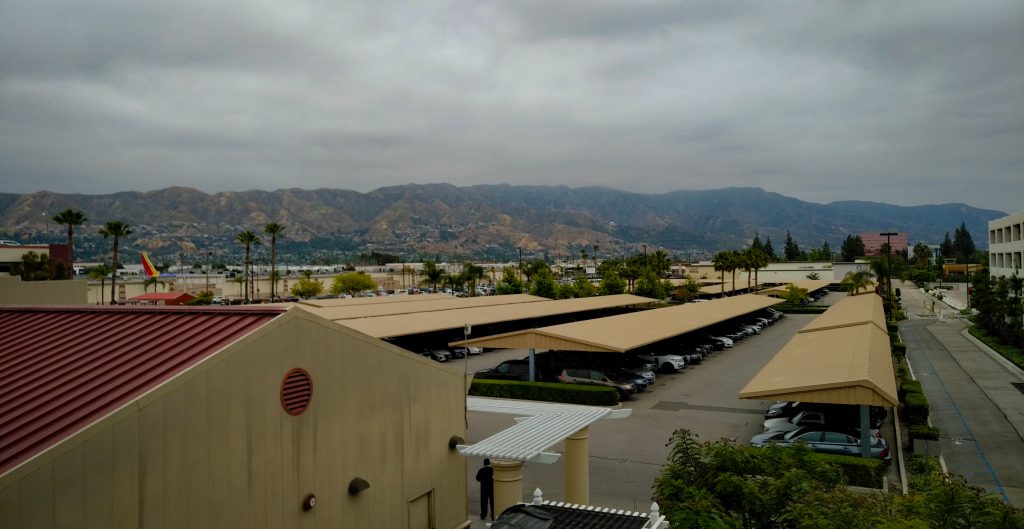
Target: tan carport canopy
(810, 284)
(841, 357)
(408, 306)
(439, 320)
(624, 332)
(375, 300)
(717, 288)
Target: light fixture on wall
(309, 501)
(357, 485)
(454, 442)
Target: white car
(724, 339)
(665, 362)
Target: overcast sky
(910, 102)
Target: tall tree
(470, 275)
(791, 249)
(963, 244)
(854, 282)
(720, 261)
(247, 238)
(852, 248)
(70, 218)
(758, 260)
(946, 249)
(352, 283)
(769, 250)
(432, 274)
(542, 283)
(756, 244)
(510, 282)
(99, 273)
(118, 230)
(274, 229)
(611, 284)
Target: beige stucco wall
(213, 447)
(14, 291)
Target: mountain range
(484, 221)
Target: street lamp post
(888, 248)
(208, 254)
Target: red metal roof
(62, 368)
(157, 296)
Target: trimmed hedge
(915, 408)
(925, 432)
(859, 472)
(545, 391)
(899, 350)
(909, 386)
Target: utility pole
(888, 247)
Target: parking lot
(626, 455)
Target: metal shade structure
(439, 320)
(810, 284)
(410, 305)
(625, 332)
(841, 357)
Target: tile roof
(62, 368)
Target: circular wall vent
(296, 391)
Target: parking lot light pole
(888, 246)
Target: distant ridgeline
(441, 221)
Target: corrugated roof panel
(63, 368)
(420, 322)
(624, 332)
(345, 312)
(851, 310)
(375, 300)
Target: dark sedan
(824, 440)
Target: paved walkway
(974, 402)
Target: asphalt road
(978, 410)
(626, 454)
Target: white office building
(1005, 245)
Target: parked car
(621, 375)
(666, 362)
(724, 340)
(639, 366)
(595, 378)
(440, 355)
(508, 370)
(845, 416)
(783, 409)
(825, 440)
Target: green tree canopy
(855, 282)
(721, 485)
(791, 249)
(510, 283)
(118, 230)
(352, 283)
(688, 291)
(794, 294)
(769, 250)
(922, 255)
(611, 283)
(650, 285)
(70, 218)
(33, 267)
(583, 288)
(852, 248)
(542, 283)
(307, 287)
(946, 249)
(963, 245)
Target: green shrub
(899, 350)
(859, 472)
(545, 391)
(915, 408)
(925, 432)
(909, 386)
(924, 472)
(893, 328)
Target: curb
(1000, 359)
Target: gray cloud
(909, 103)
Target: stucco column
(508, 484)
(577, 467)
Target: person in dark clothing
(486, 478)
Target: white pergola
(539, 426)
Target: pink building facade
(873, 242)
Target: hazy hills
(486, 220)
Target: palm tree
(758, 260)
(116, 229)
(721, 264)
(247, 238)
(99, 273)
(273, 229)
(743, 261)
(70, 218)
(150, 281)
(854, 282)
(432, 274)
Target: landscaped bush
(858, 471)
(925, 432)
(1011, 353)
(545, 391)
(909, 386)
(924, 472)
(899, 350)
(915, 408)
